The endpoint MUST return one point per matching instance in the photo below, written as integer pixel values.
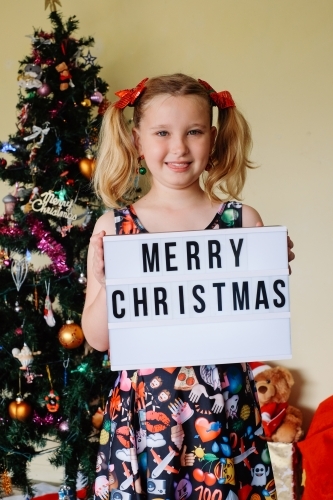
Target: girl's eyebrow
(164, 126)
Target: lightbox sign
(197, 297)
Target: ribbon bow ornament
(129, 96)
(36, 131)
(221, 99)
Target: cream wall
(275, 56)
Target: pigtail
(116, 164)
(230, 156)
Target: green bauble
(142, 170)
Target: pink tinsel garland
(45, 243)
(48, 245)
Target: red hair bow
(221, 99)
(129, 96)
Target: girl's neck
(164, 209)
(175, 198)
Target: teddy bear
(281, 422)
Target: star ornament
(52, 4)
(89, 59)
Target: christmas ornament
(47, 245)
(70, 335)
(103, 106)
(19, 270)
(3, 163)
(6, 148)
(18, 307)
(25, 356)
(36, 131)
(82, 279)
(65, 76)
(64, 426)
(52, 4)
(20, 409)
(48, 312)
(66, 493)
(30, 77)
(87, 166)
(97, 419)
(44, 90)
(52, 399)
(10, 201)
(6, 483)
(30, 376)
(86, 103)
(96, 97)
(54, 203)
(89, 59)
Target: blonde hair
(117, 159)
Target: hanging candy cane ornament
(48, 313)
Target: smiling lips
(178, 166)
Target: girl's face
(176, 137)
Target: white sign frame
(235, 313)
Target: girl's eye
(162, 133)
(194, 132)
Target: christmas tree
(52, 383)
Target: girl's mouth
(178, 166)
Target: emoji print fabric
(186, 432)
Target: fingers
(291, 254)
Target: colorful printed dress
(188, 432)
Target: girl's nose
(179, 146)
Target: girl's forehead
(171, 104)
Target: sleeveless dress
(188, 432)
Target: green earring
(141, 170)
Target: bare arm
(94, 316)
(251, 218)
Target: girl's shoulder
(106, 222)
(251, 217)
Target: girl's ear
(213, 133)
(136, 139)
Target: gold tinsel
(52, 4)
(6, 483)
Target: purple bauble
(64, 426)
(44, 90)
(97, 97)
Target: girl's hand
(96, 242)
(290, 244)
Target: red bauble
(3, 163)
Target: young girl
(195, 431)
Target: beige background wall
(275, 56)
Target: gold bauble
(97, 419)
(86, 103)
(70, 335)
(20, 410)
(87, 167)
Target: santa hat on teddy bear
(258, 367)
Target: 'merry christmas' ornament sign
(197, 297)
(48, 203)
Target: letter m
(150, 261)
(241, 299)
